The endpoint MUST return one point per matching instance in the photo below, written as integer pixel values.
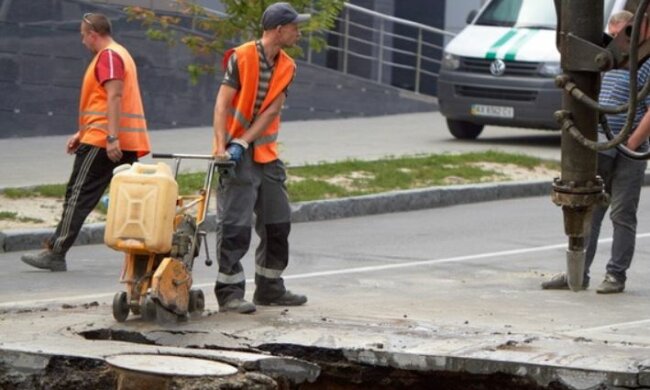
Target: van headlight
(550, 69)
(450, 61)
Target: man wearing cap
(246, 123)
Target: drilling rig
(586, 52)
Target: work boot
(286, 299)
(560, 282)
(46, 259)
(238, 305)
(610, 285)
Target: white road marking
(512, 252)
(606, 327)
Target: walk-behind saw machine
(160, 233)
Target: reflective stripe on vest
(103, 126)
(122, 114)
(240, 114)
(239, 117)
(93, 108)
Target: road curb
(389, 202)
(410, 200)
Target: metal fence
(375, 46)
(383, 48)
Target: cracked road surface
(453, 289)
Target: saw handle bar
(218, 163)
(225, 168)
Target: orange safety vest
(93, 108)
(240, 114)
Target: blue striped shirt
(615, 90)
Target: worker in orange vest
(112, 131)
(246, 123)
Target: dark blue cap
(278, 14)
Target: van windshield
(524, 13)
(520, 13)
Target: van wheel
(464, 129)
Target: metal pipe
(346, 35)
(309, 50)
(418, 62)
(578, 94)
(349, 6)
(577, 190)
(380, 59)
(4, 10)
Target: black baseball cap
(278, 14)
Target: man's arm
(641, 133)
(224, 99)
(264, 119)
(114, 90)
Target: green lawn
(354, 177)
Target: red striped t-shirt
(109, 67)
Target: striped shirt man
(231, 76)
(615, 91)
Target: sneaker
(46, 260)
(610, 285)
(560, 282)
(286, 299)
(238, 305)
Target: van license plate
(493, 111)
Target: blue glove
(236, 149)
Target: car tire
(464, 129)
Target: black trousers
(91, 174)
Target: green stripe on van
(492, 52)
(512, 52)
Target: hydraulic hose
(623, 135)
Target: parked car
(500, 69)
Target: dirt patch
(45, 211)
(347, 181)
(512, 172)
(454, 180)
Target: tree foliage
(207, 33)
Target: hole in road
(337, 372)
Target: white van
(500, 69)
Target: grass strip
(356, 177)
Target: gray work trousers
(260, 189)
(623, 178)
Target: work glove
(236, 148)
